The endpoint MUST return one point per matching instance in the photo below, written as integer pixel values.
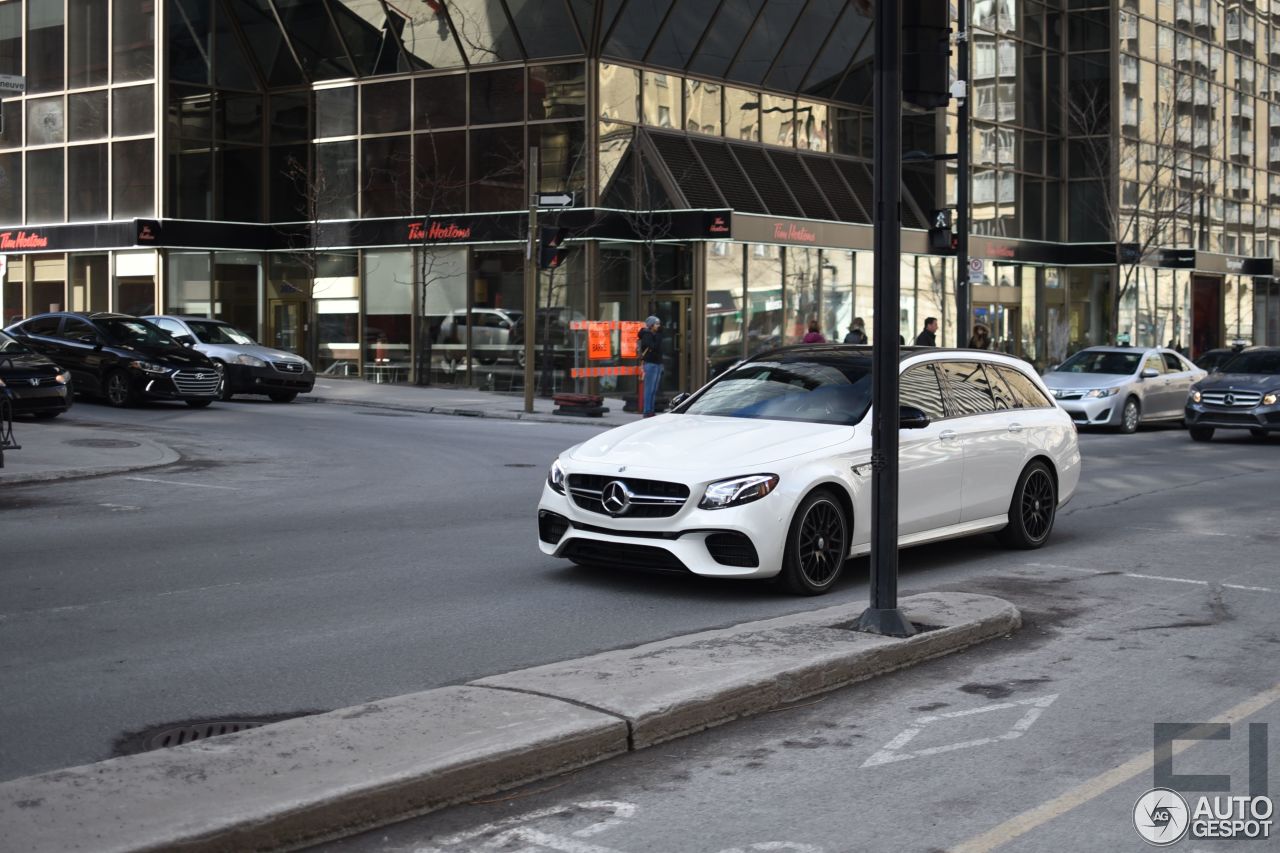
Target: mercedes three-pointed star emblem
(616, 497)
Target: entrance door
(1206, 314)
(677, 323)
(1003, 324)
(287, 327)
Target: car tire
(118, 390)
(1032, 509)
(1201, 433)
(198, 404)
(283, 396)
(817, 545)
(224, 389)
(1130, 416)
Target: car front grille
(33, 382)
(1067, 395)
(625, 556)
(200, 382)
(288, 366)
(732, 549)
(1239, 399)
(551, 526)
(1229, 418)
(650, 498)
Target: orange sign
(599, 342)
(630, 339)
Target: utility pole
(530, 280)
(963, 309)
(884, 616)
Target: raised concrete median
(330, 774)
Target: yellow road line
(1099, 785)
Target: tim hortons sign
(438, 231)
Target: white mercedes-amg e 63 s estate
(766, 470)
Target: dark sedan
(36, 385)
(1243, 394)
(120, 358)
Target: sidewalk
(56, 450)
(468, 402)
(329, 775)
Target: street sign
(555, 199)
(12, 84)
(977, 270)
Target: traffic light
(926, 52)
(942, 240)
(551, 248)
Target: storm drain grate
(101, 442)
(189, 734)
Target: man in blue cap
(651, 362)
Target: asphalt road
(307, 557)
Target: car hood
(729, 445)
(24, 364)
(1239, 382)
(226, 351)
(177, 356)
(1056, 379)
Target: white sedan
(765, 471)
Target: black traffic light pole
(884, 616)
(963, 310)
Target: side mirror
(1150, 373)
(909, 417)
(678, 399)
(185, 340)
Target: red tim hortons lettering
(23, 240)
(793, 232)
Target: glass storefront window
(764, 297)
(44, 185)
(90, 282)
(133, 34)
(45, 50)
(557, 91)
(189, 284)
(497, 97)
(11, 39)
(619, 93)
(497, 169)
(135, 282)
(87, 183)
(562, 156)
(132, 111)
(86, 116)
(386, 176)
(725, 312)
(383, 107)
(86, 43)
(133, 189)
(801, 295)
(442, 349)
(388, 314)
(336, 291)
(703, 105)
(336, 111)
(440, 102)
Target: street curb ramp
(313, 778)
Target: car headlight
(1270, 399)
(149, 366)
(738, 491)
(1195, 396)
(1101, 392)
(555, 477)
(250, 360)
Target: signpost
(977, 270)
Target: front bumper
(1223, 417)
(738, 542)
(179, 384)
(243, 379)
(1094, 411)
(45, 398)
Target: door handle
(1015, 427)
(947, 435)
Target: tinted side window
(46, 326)
(75, 329)
(1026, 394)
(1172, 363)
(919, 387)
(970, 393)
(1004, 397)
(173, 327)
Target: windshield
(9, 345)
(1265, 363)
(1094, 361)
(827, 389)
(133, 332)
(219, 333)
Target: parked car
(490, 334)
(766, 470)
(36, 385)
(121, 358)
(1213, 359)
(1243, 394)
(1123, 387)
(247, 366)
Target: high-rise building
(350, 178)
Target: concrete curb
(167, 456)
(318, 777)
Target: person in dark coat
(650, 348)
(981, 338)
(928, 336)
(857, 332)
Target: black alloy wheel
(1201, 433)
(817, 545)
(118, 389)
(1130, 416)
(1032, 510)
(224, 387)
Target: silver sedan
(1123, 386)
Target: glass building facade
(349, 179)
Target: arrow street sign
(12, 84)
(555, 199)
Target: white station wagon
(765, 471)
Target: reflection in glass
(767, 35)
(133, 178)
(388, 295)
(777, 122)
(661, 100)
(336, 111)
(764, 297)
(725, 314)
(545, 28)
(721, 42)
(369, 30)
(801, 295)
(133, 40)
(615, 140)
(497, 168)
(44, 185)
(562, 158)
(385, 174)
(87, 183)
(132, 111)
(484, 31)
(440, 101)
(426, 34)
(557, 91)
(497, 97)
(11, 188)
(44, 46)
(331, 194)
(742, 114)
(703, 102)
(44, 121)
(385, 107)
(619, 93)
(86, 43)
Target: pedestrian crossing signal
(551, 248)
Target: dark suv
(1243, 394)
(121, 358)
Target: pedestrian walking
(857, 332)
(814, 336)
(650, 348)
(981, 338)
(928, 336)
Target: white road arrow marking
(891, 751)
